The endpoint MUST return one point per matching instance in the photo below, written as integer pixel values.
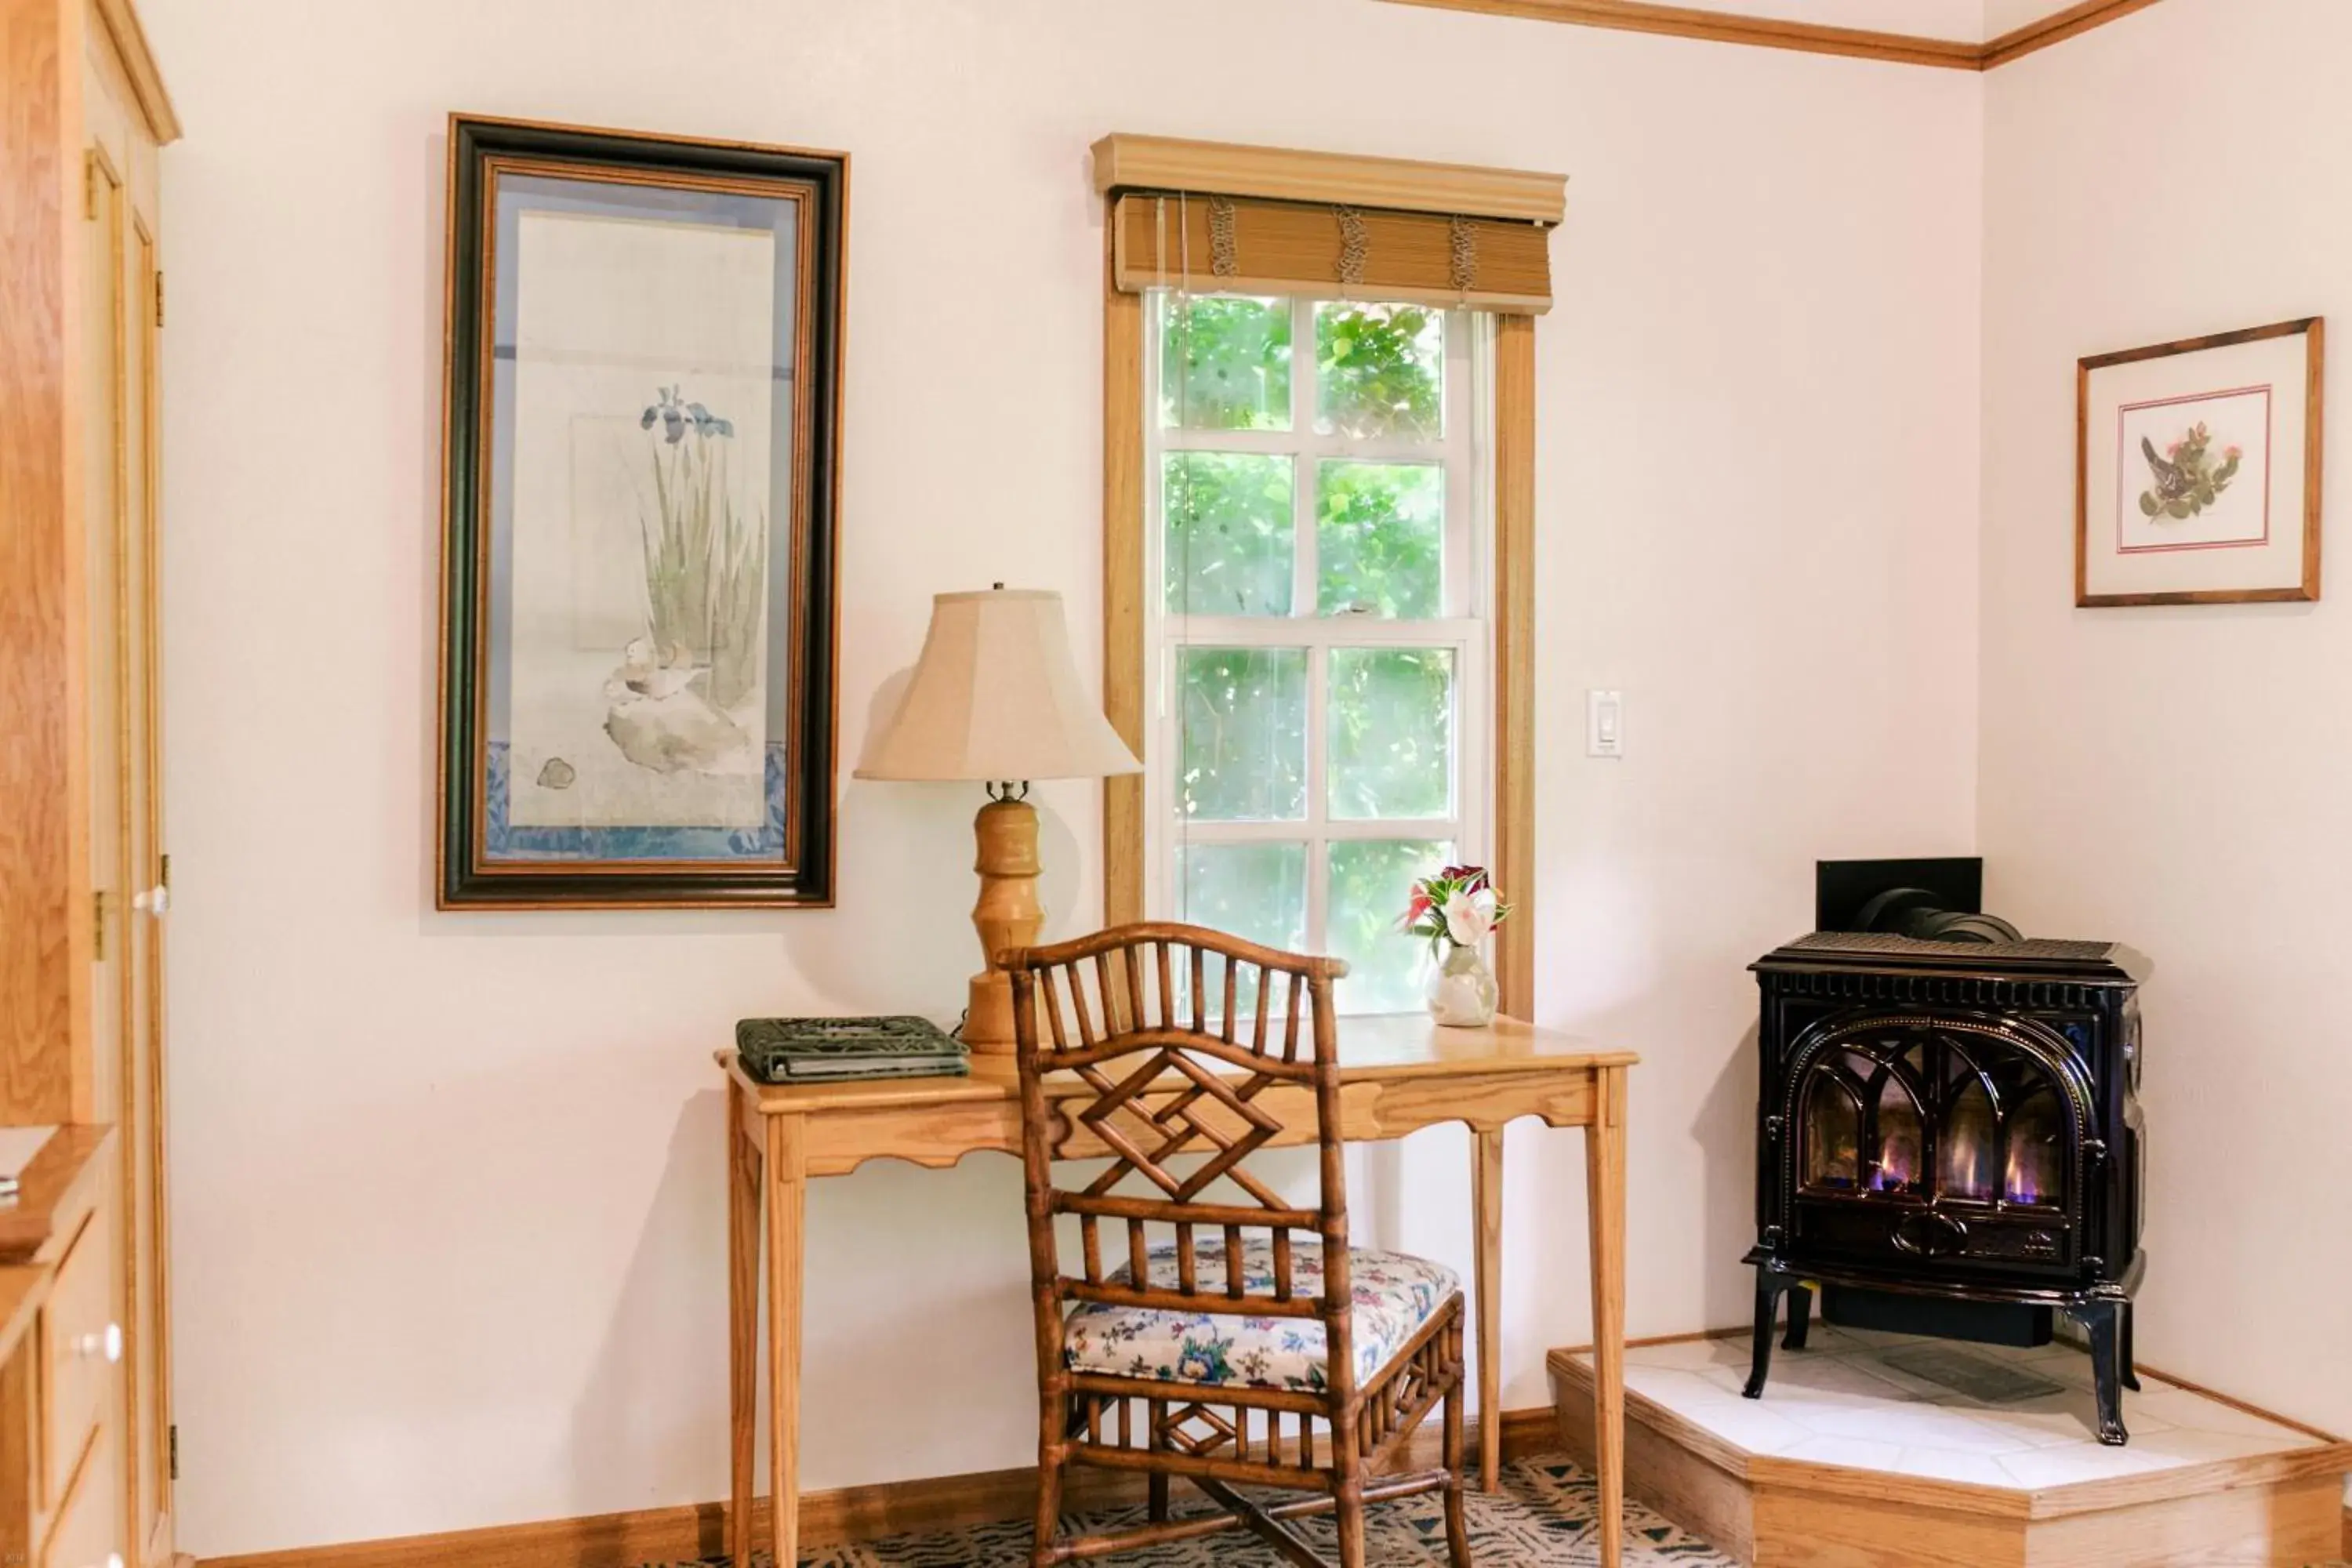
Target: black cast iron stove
(1947, 1125)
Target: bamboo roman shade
(1254, 220)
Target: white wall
(447, 1204)
(2175, 777)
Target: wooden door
(123, 311)
(148, 1464)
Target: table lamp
(995, 699)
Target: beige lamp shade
(995, 697)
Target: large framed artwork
(2198, 469)
(643, 423)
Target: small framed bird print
(2198, 471)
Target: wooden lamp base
(1007, 915)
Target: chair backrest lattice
(1155, 1045)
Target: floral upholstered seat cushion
(1394, 1296)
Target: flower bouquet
(1455, 910)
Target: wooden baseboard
(828, 1519)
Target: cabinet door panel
(107, 716)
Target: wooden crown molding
(1124, 163)
(2058, 28)
(1772, 33)
(139, 64)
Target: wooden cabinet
(85, 1532)
(64, 1494)
(84, 884)
(82, 1347)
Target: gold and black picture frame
(642, 439)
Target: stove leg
(1800, 1317)
(2130, 1368)
(1768, 1295)
(2105, 1321)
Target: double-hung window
(1317, 485)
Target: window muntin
(1317, 634)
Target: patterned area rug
(1543, 1519)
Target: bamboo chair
(1214, 1357)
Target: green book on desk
(823, 1050)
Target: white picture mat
(2124, 401)
(608, 312)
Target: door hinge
(171, 1441)
(159, 296)
(89, 187)
(163, 869)
(97, 925)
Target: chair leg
(1350, 1516)
(1458, 1528)
(1157, 1507)
(1049, 1477)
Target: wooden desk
(1400, 1074)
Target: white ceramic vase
(1462, 993)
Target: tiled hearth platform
(1870, 1449)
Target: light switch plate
(1604, 723)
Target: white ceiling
(2008, 16)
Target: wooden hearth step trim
(1810, 37)
(2281, 1506)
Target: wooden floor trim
(828, 1519)
(2218, 1397)
(1810, 37)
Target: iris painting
(640, 704)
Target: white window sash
(1465, 629)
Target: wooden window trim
(1512, 616)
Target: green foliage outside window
(1243, 743)
(1229, 541)
(1224, 363)
(1253, 891)
(1230, 546)
(1381, 370)
(1380, 540)
(1391, 720)
(1369, 877)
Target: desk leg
(787, 1197)
(1486, 1197)
(744, 1169)
(1604, 1166)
